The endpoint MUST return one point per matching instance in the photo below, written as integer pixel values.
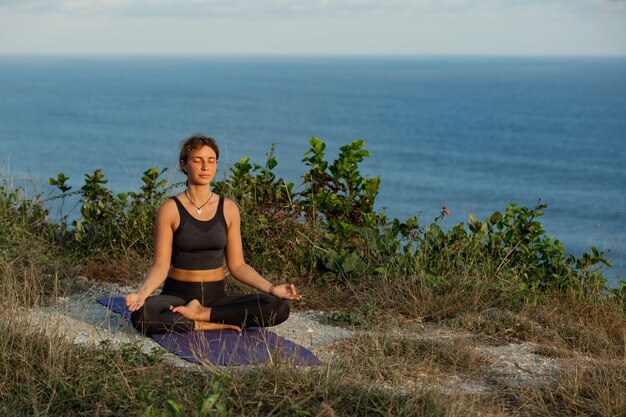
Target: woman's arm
(237, 266)
(159, 269)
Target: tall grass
(580, 390)
(30, 249)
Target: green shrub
(330, 229)
(115, 224)
(29, 248)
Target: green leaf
(174, 408)
(350, 263)
(495, 217)
(317, 145)
(60, 182)
(208, 403)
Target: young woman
(195, 231)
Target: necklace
(198, 208)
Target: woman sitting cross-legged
(195, 231)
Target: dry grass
(127, 270)
(377, 374)
(500, 326)
(40, 375)
(583, 389)
(383, 358)
(590, 327)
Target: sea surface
(471, 133)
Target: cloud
(152, 8)
(240, 8)
(575, 27)
(297, 8)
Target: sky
(342, 27)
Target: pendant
(198, 211)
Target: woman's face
(201, 166)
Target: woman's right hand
(134, 301)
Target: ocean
(471, 133)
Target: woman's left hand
(286, 291)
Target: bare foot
(193, 311)
(205, 325)
(201, 315)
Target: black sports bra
(198, 244)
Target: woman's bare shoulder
(230, 204)
(168, 204)
(168, 208)
(231, 209)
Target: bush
(115, 224)
(330, 229)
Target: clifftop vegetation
(500, 279)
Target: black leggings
(242, 310)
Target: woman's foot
(193, 311)
(205, 325)
(201, 316)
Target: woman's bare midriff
(196, 276)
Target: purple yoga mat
(226, 347)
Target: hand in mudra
(134, 302)
(286, 291)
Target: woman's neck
(197, 201)
(199, 192)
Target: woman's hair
(193, 142)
